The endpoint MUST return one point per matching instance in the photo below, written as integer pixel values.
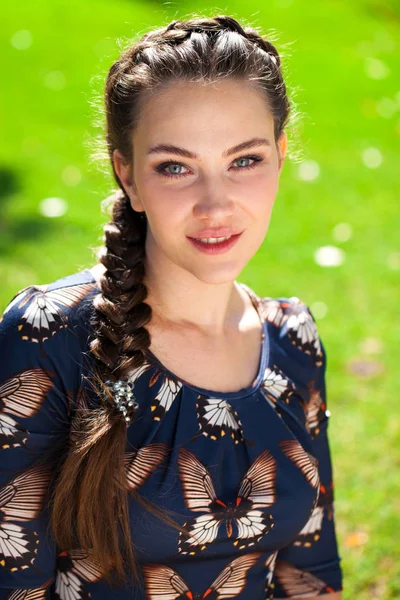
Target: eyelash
(160, 168)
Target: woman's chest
(225, 366)
(255, 489)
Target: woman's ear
(125, 174)
(282, 149)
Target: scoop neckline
(241, 393)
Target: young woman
(164, 428)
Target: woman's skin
(190, 291)
(210, 190)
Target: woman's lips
(218, 248)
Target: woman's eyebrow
(168, 148)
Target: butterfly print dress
(247, 475)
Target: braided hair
(90, 502)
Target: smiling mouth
(215, 247)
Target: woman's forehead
(204, 112)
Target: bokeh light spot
(319, 309)
(309, 170)
(21, 40)
(372, 158)
(71, 175)
(55, 80)
(384, 41)
(371, 345)
(386, 108)
(393, 261)
(376, 68)
(53, 207)
(329, 256)
(342, 232)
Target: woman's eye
(255, 159)
(172, 169)
(170, 165)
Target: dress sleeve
(310, 565)
(40, 373)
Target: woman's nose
(214, 202)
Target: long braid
(119, 339)
(99, 435)
(121, 310)
(90, 505)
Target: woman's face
(183, 195)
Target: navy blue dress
(249, 472)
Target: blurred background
(334, 236)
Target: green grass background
(326, 47)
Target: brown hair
(90, 501)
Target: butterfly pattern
(217, 418)
(273, 312)
(224, 463)
(301, 329)
(314, 410)
(140, 464)
(269, 589)
(276, 386)
(299, 583)
(44, 310)
(22, 396)
(163, 582)
(74, 569)
(256, 490)
(39, 593)
(165, 396)
(21, 501)
(306, 462)
(312, 530)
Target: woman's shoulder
(37, 313)
(295, 330)
(44, 337)
(292, 325)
